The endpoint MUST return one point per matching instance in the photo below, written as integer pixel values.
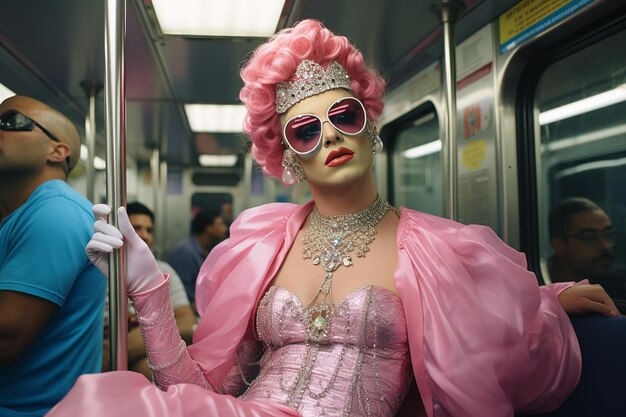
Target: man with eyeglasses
(51, 296)
(582, 238)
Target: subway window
(415, 161)
(581, 119)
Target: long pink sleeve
(485, 339)
(167, 353)
(165, 349)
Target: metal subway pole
(162, 207)
(92, 88)
(449, 11)
(115, 120)
(154, 175)
(158, 167)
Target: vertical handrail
(115, 120)
(91, 90)
(162, 207)
(449, 11)
(155, 160)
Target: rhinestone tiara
(311, 79)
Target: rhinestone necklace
(329, 241)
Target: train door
(571, 152)
(189, 191)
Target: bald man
(51, 296)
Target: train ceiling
(50, 49)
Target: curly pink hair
(275, 61)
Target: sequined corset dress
(362, 368)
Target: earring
(292, 172)
(376, 142)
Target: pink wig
(275, 61)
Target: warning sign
(530, 17)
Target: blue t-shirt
(42, 253)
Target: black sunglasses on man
(14, 121)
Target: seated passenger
(207, 229)
(582, 238)
(51, 296)
(142, 220)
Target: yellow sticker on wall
(473, 154)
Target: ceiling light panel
(215, 118)
(222, 18)
(217, 160)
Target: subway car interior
(512, 166)
(495, 110)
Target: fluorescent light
(218, 17)
(611, 163)
(426, 118)
(5, 93)
(217, 160)
(98, 163)
(423, 150)
(215, 118)
(608, 98)
(592, 136)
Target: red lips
(338, 156)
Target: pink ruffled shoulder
(491, 335)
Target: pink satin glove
(143, 273)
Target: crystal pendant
(378, 145)
(318, 322)
(289, 177)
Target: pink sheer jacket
(485, 340)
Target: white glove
(143, 273)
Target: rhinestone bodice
(361, 368)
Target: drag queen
(338, 306)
